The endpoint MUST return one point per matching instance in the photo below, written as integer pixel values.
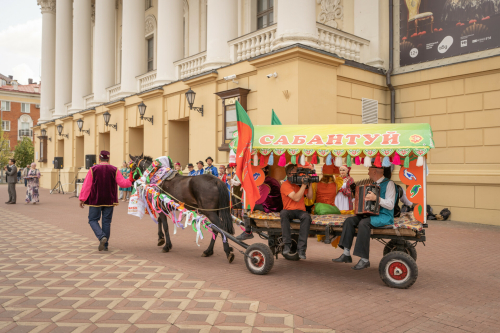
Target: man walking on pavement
(100, 193)
(11, 180)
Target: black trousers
(305, 225)
(248, 227)
(362, 247)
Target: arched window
(25, 124)
(150, 35)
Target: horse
(197, 193)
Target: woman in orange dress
(327, 188)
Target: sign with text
(438, 29)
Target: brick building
(20, 108)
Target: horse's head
(139, 162)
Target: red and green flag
(244, 156)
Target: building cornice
(296, 52)
(148, 94)
(115, 104)
(202, 78)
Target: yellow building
(305, 81)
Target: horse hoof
(230, 257)
(165, 250)
(161, 242)
(169, 246)
(206, 254)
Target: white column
(104, 49)
(194, 27)
(296, 24)
(222, 26)
(368, 23)
(64, 49)
(82, 35)
(170, 38)
(48, 8)
(133, 45)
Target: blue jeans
(95, 216)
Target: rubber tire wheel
(392, 244)
(403, 259)
(294, 255)
(264, 252)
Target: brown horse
(206, 194)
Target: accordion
(363, 206)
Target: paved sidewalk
(457, 288)
(53, 281)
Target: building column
(222, 26)
(48, 8)
(369, 24)
(64, 49)
(170, 38)
(296, 24)
(82, 35)
(133, 45)
(103, 75)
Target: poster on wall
(438, 29)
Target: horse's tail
(225, 214)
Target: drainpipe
(391, 61)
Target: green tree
(5, 152)
(24, 153)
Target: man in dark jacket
(11, 181)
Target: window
(6, 144)
(369, 111)
(231, 121)
(6, 125)
(5, 106)
(229, 98)
(4, 82)
(149, 4)
(25, 107)
(151, 52)
(265, 13)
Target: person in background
(25, 173)
(343, 200)
(125, 192)
(33, 178)
(192, 172)
(200, 170)
(327, 189)
(11, 173)
(222, 173)
(210, 168)
(178, 168)
(270, 201)
(19, 173)
(99, 193)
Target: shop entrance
(136, 141)
(178, 141)
(104, 140)
(79, 152)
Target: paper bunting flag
(265, 151)
(293, 151)
(403, 151)
(308, 152)
(279, 151)
(323, 152)
(386, 152)
(338, 152)
(354, 152)
(370, 152)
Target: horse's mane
(148, 158)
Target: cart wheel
(294, 255)
(259, 259)
(395, 245)
(398, 270)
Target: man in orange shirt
(295, 208)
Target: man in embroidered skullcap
(99, 192)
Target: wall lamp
(79, 122)
(44, 133)
(60, 129)
(190, 95)
(142, 111)
(106, 116)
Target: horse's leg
(210, 250)
(214, 218)
(168, 243)
(161, 236)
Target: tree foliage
(5, 152)
(24, 153)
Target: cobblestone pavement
(58, 281)
(457, 289)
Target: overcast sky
(20, 39)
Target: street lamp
(60, 129)
(190, 95)
(79, 122)
(106, 116)
(44, 133)
(142, 111)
